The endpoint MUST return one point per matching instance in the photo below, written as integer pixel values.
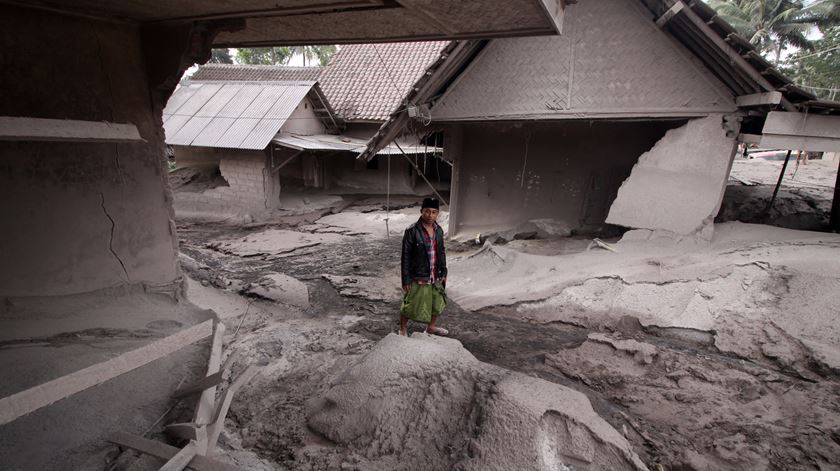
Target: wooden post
(778, 184)
(834, 222)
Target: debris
(167, 452)
(30, 400)
(281, 288)
(599, 243)
(366, 287)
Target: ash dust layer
(691, 375)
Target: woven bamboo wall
(611, 60)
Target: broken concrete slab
(678, 185)
(426, 403)
(281, 288)
(272, 242)
(642, 352)
(366, 287)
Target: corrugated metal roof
(240, 115)
(329, 142)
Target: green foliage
(221, 56)
(282, 55)
(770, 25)
(264, 55)
(819, 71)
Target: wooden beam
(204, 409)
(215, 429)
(167, 452)
(670, 13)
(30, 400)
(759, 99)
(801, 131)
(66, 130)
(181, 459)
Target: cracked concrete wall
(508, 174)
(80, 216)
(678, 185)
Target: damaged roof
(240, 115)
(730, 58)
(367, 82)
(248, 72)
(256, 23)
(362, 82)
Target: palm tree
(824, 13)
(323, 53)
(770, 25)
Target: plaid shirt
(431, 250)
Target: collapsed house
(631, 117)
(271, 127)
(88, 254)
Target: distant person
(424, 271)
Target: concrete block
(678, 185)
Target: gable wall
(611, 61)
(303, 121)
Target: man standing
(424, 271)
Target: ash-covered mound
(426, 403)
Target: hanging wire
(388, 195)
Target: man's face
(428, 215)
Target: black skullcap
(431, 203)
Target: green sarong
(423, 301)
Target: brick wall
(245, 175)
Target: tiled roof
(368, 81)
(255, 72)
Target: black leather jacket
(415, 260)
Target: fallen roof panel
(329, 142)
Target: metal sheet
(189, 131)
(179, 97)
(198, 99)
(210, 134)
(236, 133)
(284, 106)
(241, 101)
(328, 142)
(172, 125)
(232, 115)
(262, 133)
(218, 101)
(266, 99)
